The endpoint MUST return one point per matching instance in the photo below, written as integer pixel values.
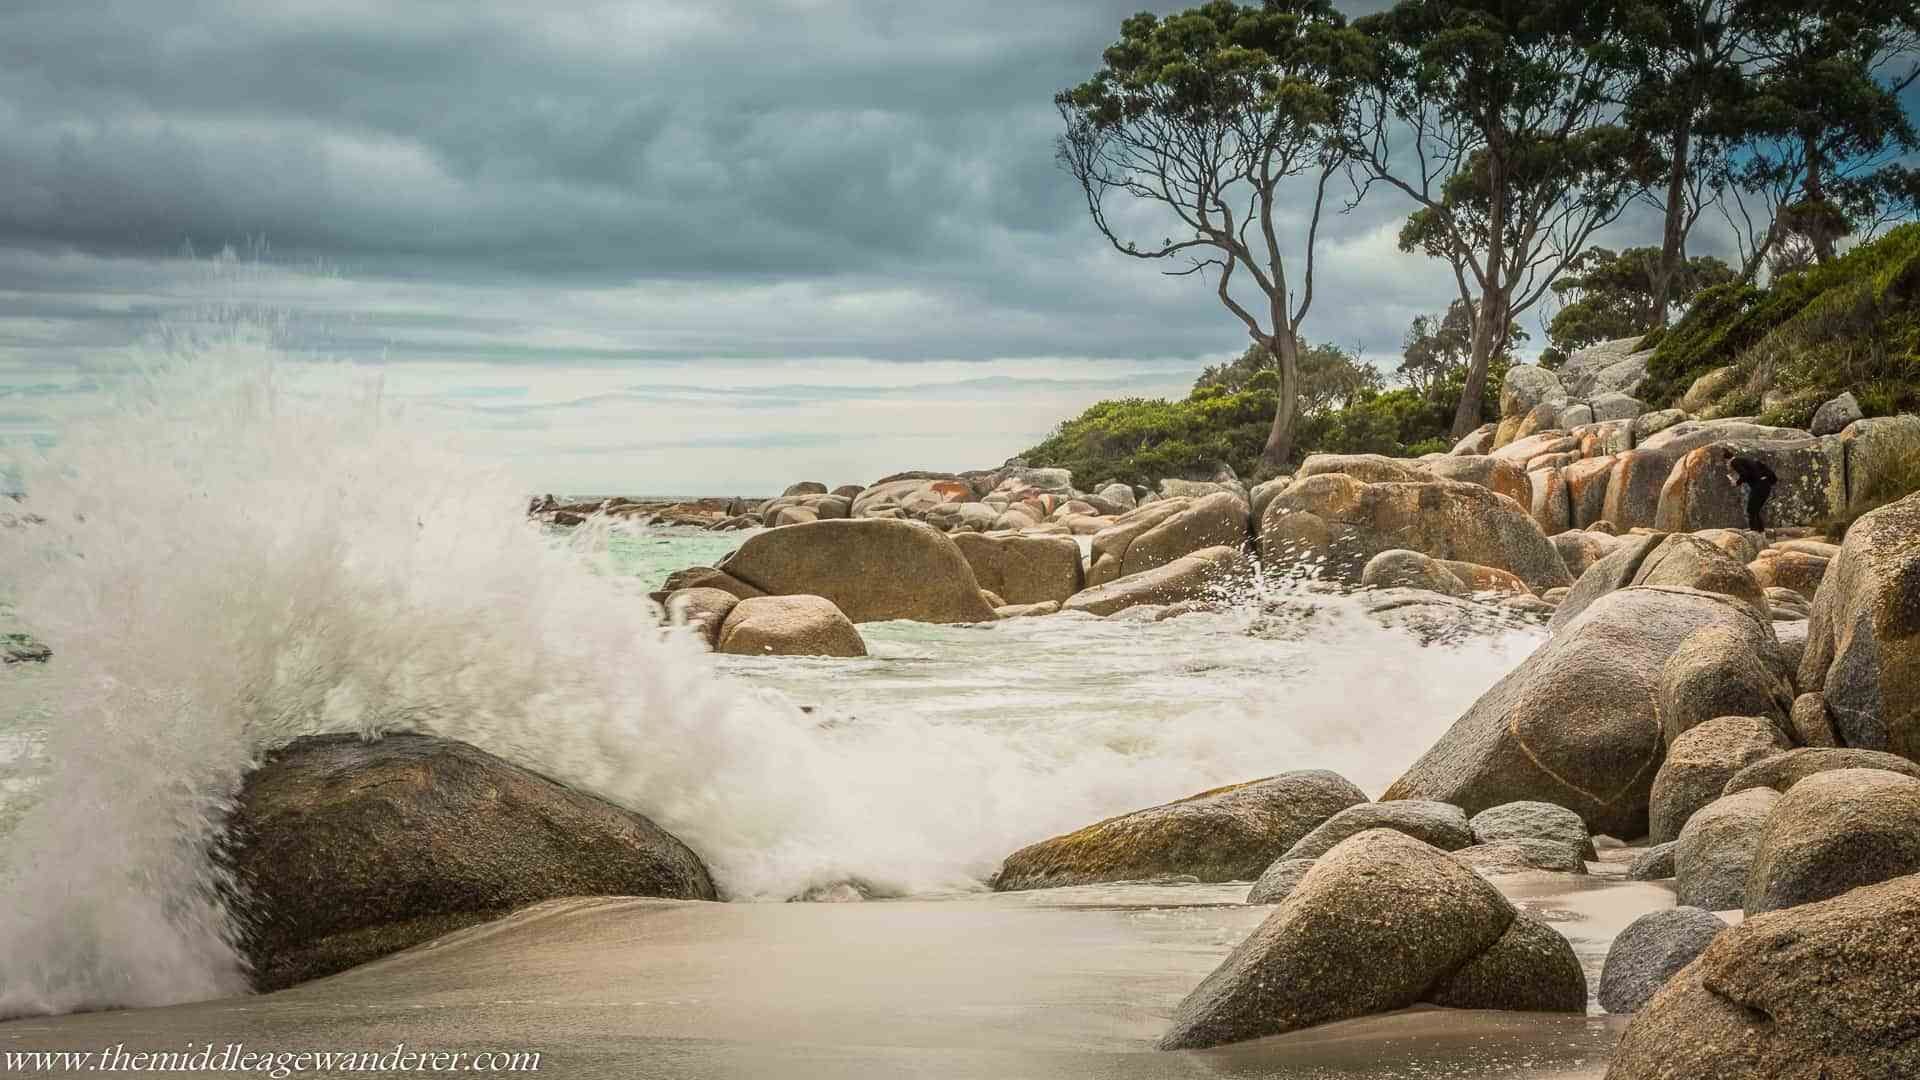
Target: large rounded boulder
(1651, 951)
(1190, 577)
(1863, 638)
(1336, 524)
(1024, 569)
(1228, 834)
(1782, 771)
(1443, 826)
(788, 626)
(1677, 560)
(345, 850)
(1823, 990)
(1698, 493)
(872, 570)
(1155, 535)
(1716, 849)
(1576, 724)
(1699, 764)
(1833, 832)
(1381, 922)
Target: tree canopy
(1204, 115)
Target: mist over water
(232, 557)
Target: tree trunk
(1816, 190)
(1466, 418)
(1673, 240)
(1279, 449)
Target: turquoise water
(649, 554)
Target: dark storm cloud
(896, 158)
(693, 138)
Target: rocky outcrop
(870, 569)
(1833, 832)
(789, 626)
(1822, 990)
(1497, 475)
(1228, 834)
(1699, 764)
(1380, 923)
(346, 850)
(1443, 826)
(1024, 569)
(1651, 951)
(1863, 637)
(1677, 560)
(1640, 475)
(1883, 461)
(1576, 723)
(1698, 494)
(1336, 524)
(1366, 468)
(1155, 535)
(910, 496)
(1190, 577)
(1716, 849)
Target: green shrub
(1145, 440)
(1851, 324)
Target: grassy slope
(1853, 324)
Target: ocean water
(228, 561)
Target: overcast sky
(647, 246)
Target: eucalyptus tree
(1829, 127)
(1689, 100)
(1208, 138)
(1501, 121)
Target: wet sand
(1060, 983)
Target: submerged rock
(1822, 990)
(23, 649)
(1380, 923)
(1228, 834)
(345, 850)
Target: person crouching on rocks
(1758, 479)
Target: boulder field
(1740, 697)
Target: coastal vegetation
(1515, 133)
